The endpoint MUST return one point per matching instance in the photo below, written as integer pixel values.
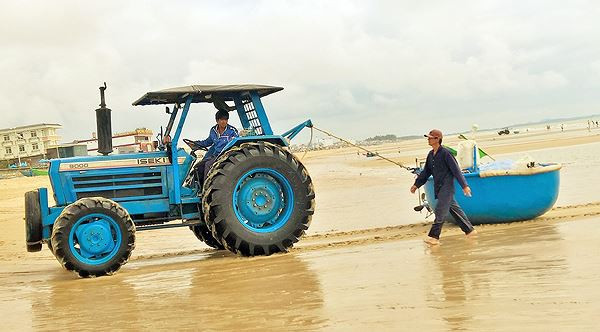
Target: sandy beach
(362, 265)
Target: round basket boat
(501, 196)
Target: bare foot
(431, 241)
(472, 234)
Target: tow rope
(357, 146)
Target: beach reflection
(521, 276)
(500, 269)
(277, 292)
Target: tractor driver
(218, 138)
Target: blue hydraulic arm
(296, 130)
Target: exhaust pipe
(103, 125)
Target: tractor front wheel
(93, 236)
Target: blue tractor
(257, 199)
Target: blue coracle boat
(501, 196)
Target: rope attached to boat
(360, 147)
(309, 143)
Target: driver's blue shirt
(217, 142)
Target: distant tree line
(388, 137)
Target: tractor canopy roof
(203, 93)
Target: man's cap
(435, 133)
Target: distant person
(218, 137)
(562, 127)
(444, 168)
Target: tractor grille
(119, 186)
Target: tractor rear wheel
(205, 235)
(49, 245)
(33, 221)
(258, 199)
(93, 236)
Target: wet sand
(362, 266)
(525, 276)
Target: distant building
(28, 142)
(138, 140)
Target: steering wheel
(195, 147)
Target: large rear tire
(205, 235)
(258, 199)
(93, 236)
(33, 221)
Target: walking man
(444, 168)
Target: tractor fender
(273, 139)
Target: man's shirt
(217, 142)
(444, 168)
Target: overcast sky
(356, 68)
